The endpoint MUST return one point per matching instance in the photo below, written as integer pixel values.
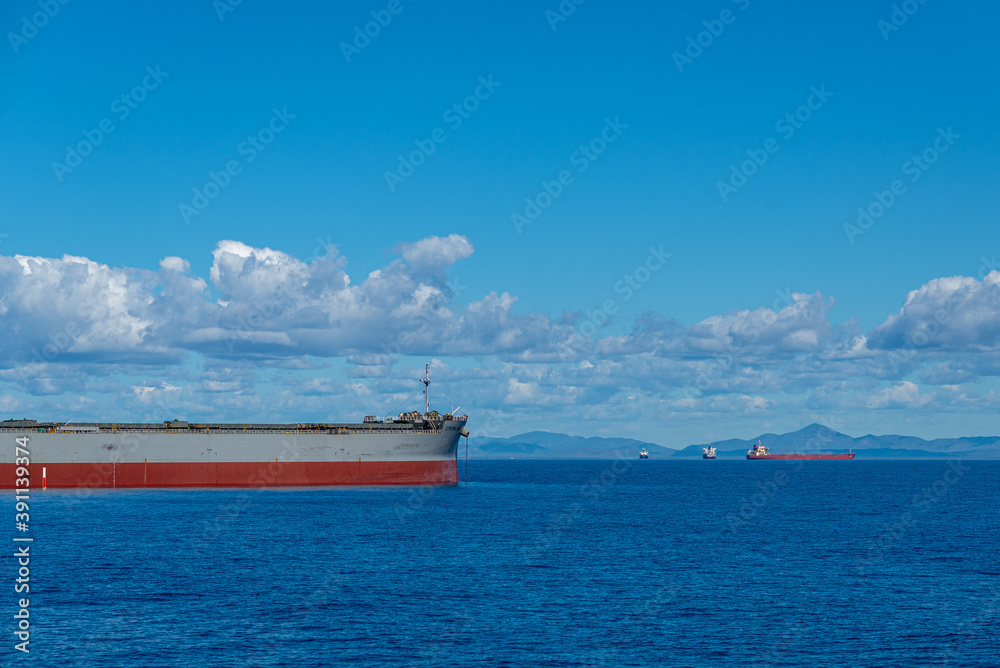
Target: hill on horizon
(814, 438)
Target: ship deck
(182, 427)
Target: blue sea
(532, 563)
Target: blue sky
(303, 331)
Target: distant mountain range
(814, 439)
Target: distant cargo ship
(760, 452)
(643, 454)
(410, 449)
(708, 453)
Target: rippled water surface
(533, 563)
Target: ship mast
(426, 380)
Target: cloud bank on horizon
(84, 339)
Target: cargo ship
(410, 449)
(708, 453)
(643, 454)
(760, 452)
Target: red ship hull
(845, 455)
(234, 474)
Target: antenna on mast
(426, 380)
